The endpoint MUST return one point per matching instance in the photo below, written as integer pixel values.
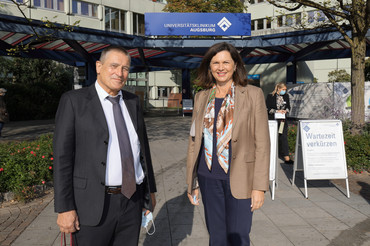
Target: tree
(205, 6)
(353, 16)
(34, 86)
(340, 75)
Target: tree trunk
(358, 81)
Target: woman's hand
(194, 197)
(282, 111)
(257, 199)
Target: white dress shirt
(113, 176)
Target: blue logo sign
(197, 24)
(254, 76)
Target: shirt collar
(102, 94)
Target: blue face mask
(145, 220)
(282, 93)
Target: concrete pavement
(327, 217)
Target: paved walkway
(327, 217)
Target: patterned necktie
(127, 160)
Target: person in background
(4, 117)
(278, 108)
(229, 147)
(103, 174)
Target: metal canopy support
(91, 69)
(142, 58)
(291, 72)
(186, 84)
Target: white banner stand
(320, 151)
(273, 128)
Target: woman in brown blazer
(229, 147)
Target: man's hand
(258, 197)
(154, 201)
(68, 221)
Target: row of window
(115, 19)
(290, 20)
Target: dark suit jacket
(80, 153)
(271, 104)
(250, 143)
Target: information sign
(194, 24)
(187, 106)
(322, 149)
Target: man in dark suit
(89, 156)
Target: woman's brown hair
(205, 78)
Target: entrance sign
(187, 106)
(320, 144)
(194, 24)
(273, 128)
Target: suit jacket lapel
(131, 107)
(96, 108)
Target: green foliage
(205, 6)
(292, 135)
(357, 147)
(33, 86)
(358, 151)
(339, 76)
(25, 165)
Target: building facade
(154, 88)
(268, 19)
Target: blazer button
(105, 141)
(103, 163)
(235, 140)
(234, 156)
(102, 183)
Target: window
(259, 24)
(280, 21)
(297, 19)
(84, 8)
(321, 16)
(311, 16)
(163, 91)
(252, 25)
(115, 20)
(268, 23)
(139, 24)
(49, 4)
(289, 20)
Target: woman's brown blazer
(249, 167)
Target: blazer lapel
(203, 98)
(240, 95)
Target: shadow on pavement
(175, 218)
(365, 191)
